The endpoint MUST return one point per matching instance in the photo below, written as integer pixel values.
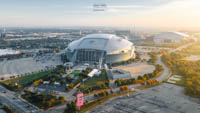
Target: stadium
(170, 37)
(100, 49)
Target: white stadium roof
(171, 35)
(109, 43)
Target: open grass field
(26, 80)
(76, 72)
(96, 80)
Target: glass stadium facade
(100, 48)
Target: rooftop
(107, 42)
(171, 35)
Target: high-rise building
(3, 35)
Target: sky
(58, 13)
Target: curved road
(166, 73)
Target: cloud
(123, 8)
(126, 6)
(116, 8)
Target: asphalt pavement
(11, 99)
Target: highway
(11, 99)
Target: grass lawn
(182, 82)
(28, 79)
(74, 73)
(95, 80)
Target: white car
(86, 64)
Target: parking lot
(136, 69)
(58, 90)
(166, 98)
(28, 65)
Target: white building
(100, 48)
(94, 72)
(46, 82)
(169, 37)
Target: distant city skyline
(143, 13)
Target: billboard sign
(80, 99)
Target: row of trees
(55, 76)
(95, 87)
(123, 88)
(121, 82)
(85, 72)
(71, 108)
(189, 70)
(73, 84)
(43, 101)
(37, 82)
(123, 62)
(102, 94)
(153, 58)
(12, 86)
(152, 82)
(158, 70)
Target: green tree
(71, 108)
(63, 82)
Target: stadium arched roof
(107, 42)
(171, 35)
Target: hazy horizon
(172, 14)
